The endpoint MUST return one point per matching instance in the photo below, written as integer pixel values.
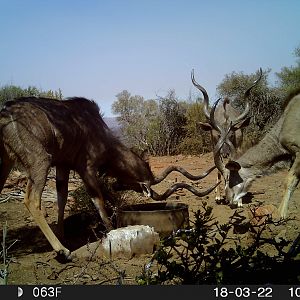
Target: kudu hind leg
(32, 201)
(291, 184)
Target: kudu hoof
(64, 256)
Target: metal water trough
(165, 217)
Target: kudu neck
(267, 156)
(127, 164)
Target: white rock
(130, 241)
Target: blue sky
(96, 49)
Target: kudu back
(225, 115)
(38, 133)
(279, 148)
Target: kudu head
(138, 176)
(224, 116)
(131, 170)
(235, 185)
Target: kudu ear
(145, 156)
(233, 166)
(204, 126)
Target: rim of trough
(176, 206)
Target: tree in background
(33, 91)
(265, 101)
(289, 77)
(195, 141)
(168, 126)
(155, 126)
(10, 92)
(172, 123)
(136, 117)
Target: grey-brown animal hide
(38, 133)
(280, 148)
(218, 121)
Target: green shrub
(208, 254)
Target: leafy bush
(10, 92)
(207, 254)
(4, 270)
(114, 200)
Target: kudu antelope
(39, 133)
(224, 115)
(280, 148)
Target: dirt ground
(32, 260)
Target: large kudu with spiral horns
(224, 116)
(278, 149)
(38, 133)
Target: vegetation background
(167, 125)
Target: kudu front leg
(62, 178)
(92, 185)
(32, 202)
(218, 188)
(99, 204)
(291, 184)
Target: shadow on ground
(80, 229)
